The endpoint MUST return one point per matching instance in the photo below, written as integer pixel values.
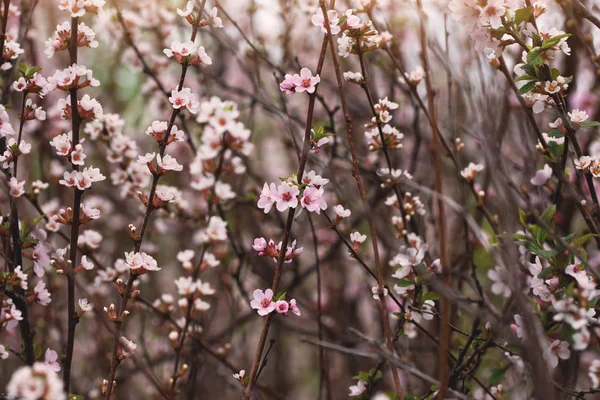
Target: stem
(149, 208)
(19, 299)
(356, 173)
(437, 165)
(75, 223)
(286, 232)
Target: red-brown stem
(149, 208)
(286, 232)
(356, 174)
(190, 299)
(17, 257)
(445, 331)
(72, 318)
(6, 4)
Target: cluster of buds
(158, 130)
(391, 137)
(188, 53)
(270, 249)
(589, 165)
(13, 150)
(61, 38)
(32, 111)
(82, 180)
(87, 107)
(35, 83)
(86, 215)
(78, 8)
(188, 15)
(393, 177)
(73, 77)
(12, 50)
(111, 311)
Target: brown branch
(357, 177)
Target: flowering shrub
(375, 199)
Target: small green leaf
(557, 133)
(280, 296)
(545, 272)
(404, 283)
(523, 218)
(527, 87)
(590, 123)
(37, 351)
(583, 239)
(497, 376)
(548, 214)
(535, 58)
(553, 41)
(430, 296)
(523, 14)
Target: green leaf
(548, 214)
(523, 14)
(583, 239)
(405, 283)
(535, 58)
(526, 78)
(590, 123)
(280, 296)
(75, 397)
(545, 272)
(497, 376)
(527, 87)
(362, 376)
(529, 70)
(523, 218)
(557, 133)
(37, 351)
(430, 296)
(553, 41)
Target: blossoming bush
(375, 199)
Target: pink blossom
(50, 359)
(294, 308)
(282, 307)
(286, 196)
(263, 301)
(16, 188)
(318, 19)
(305, 81)
(312, 199)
